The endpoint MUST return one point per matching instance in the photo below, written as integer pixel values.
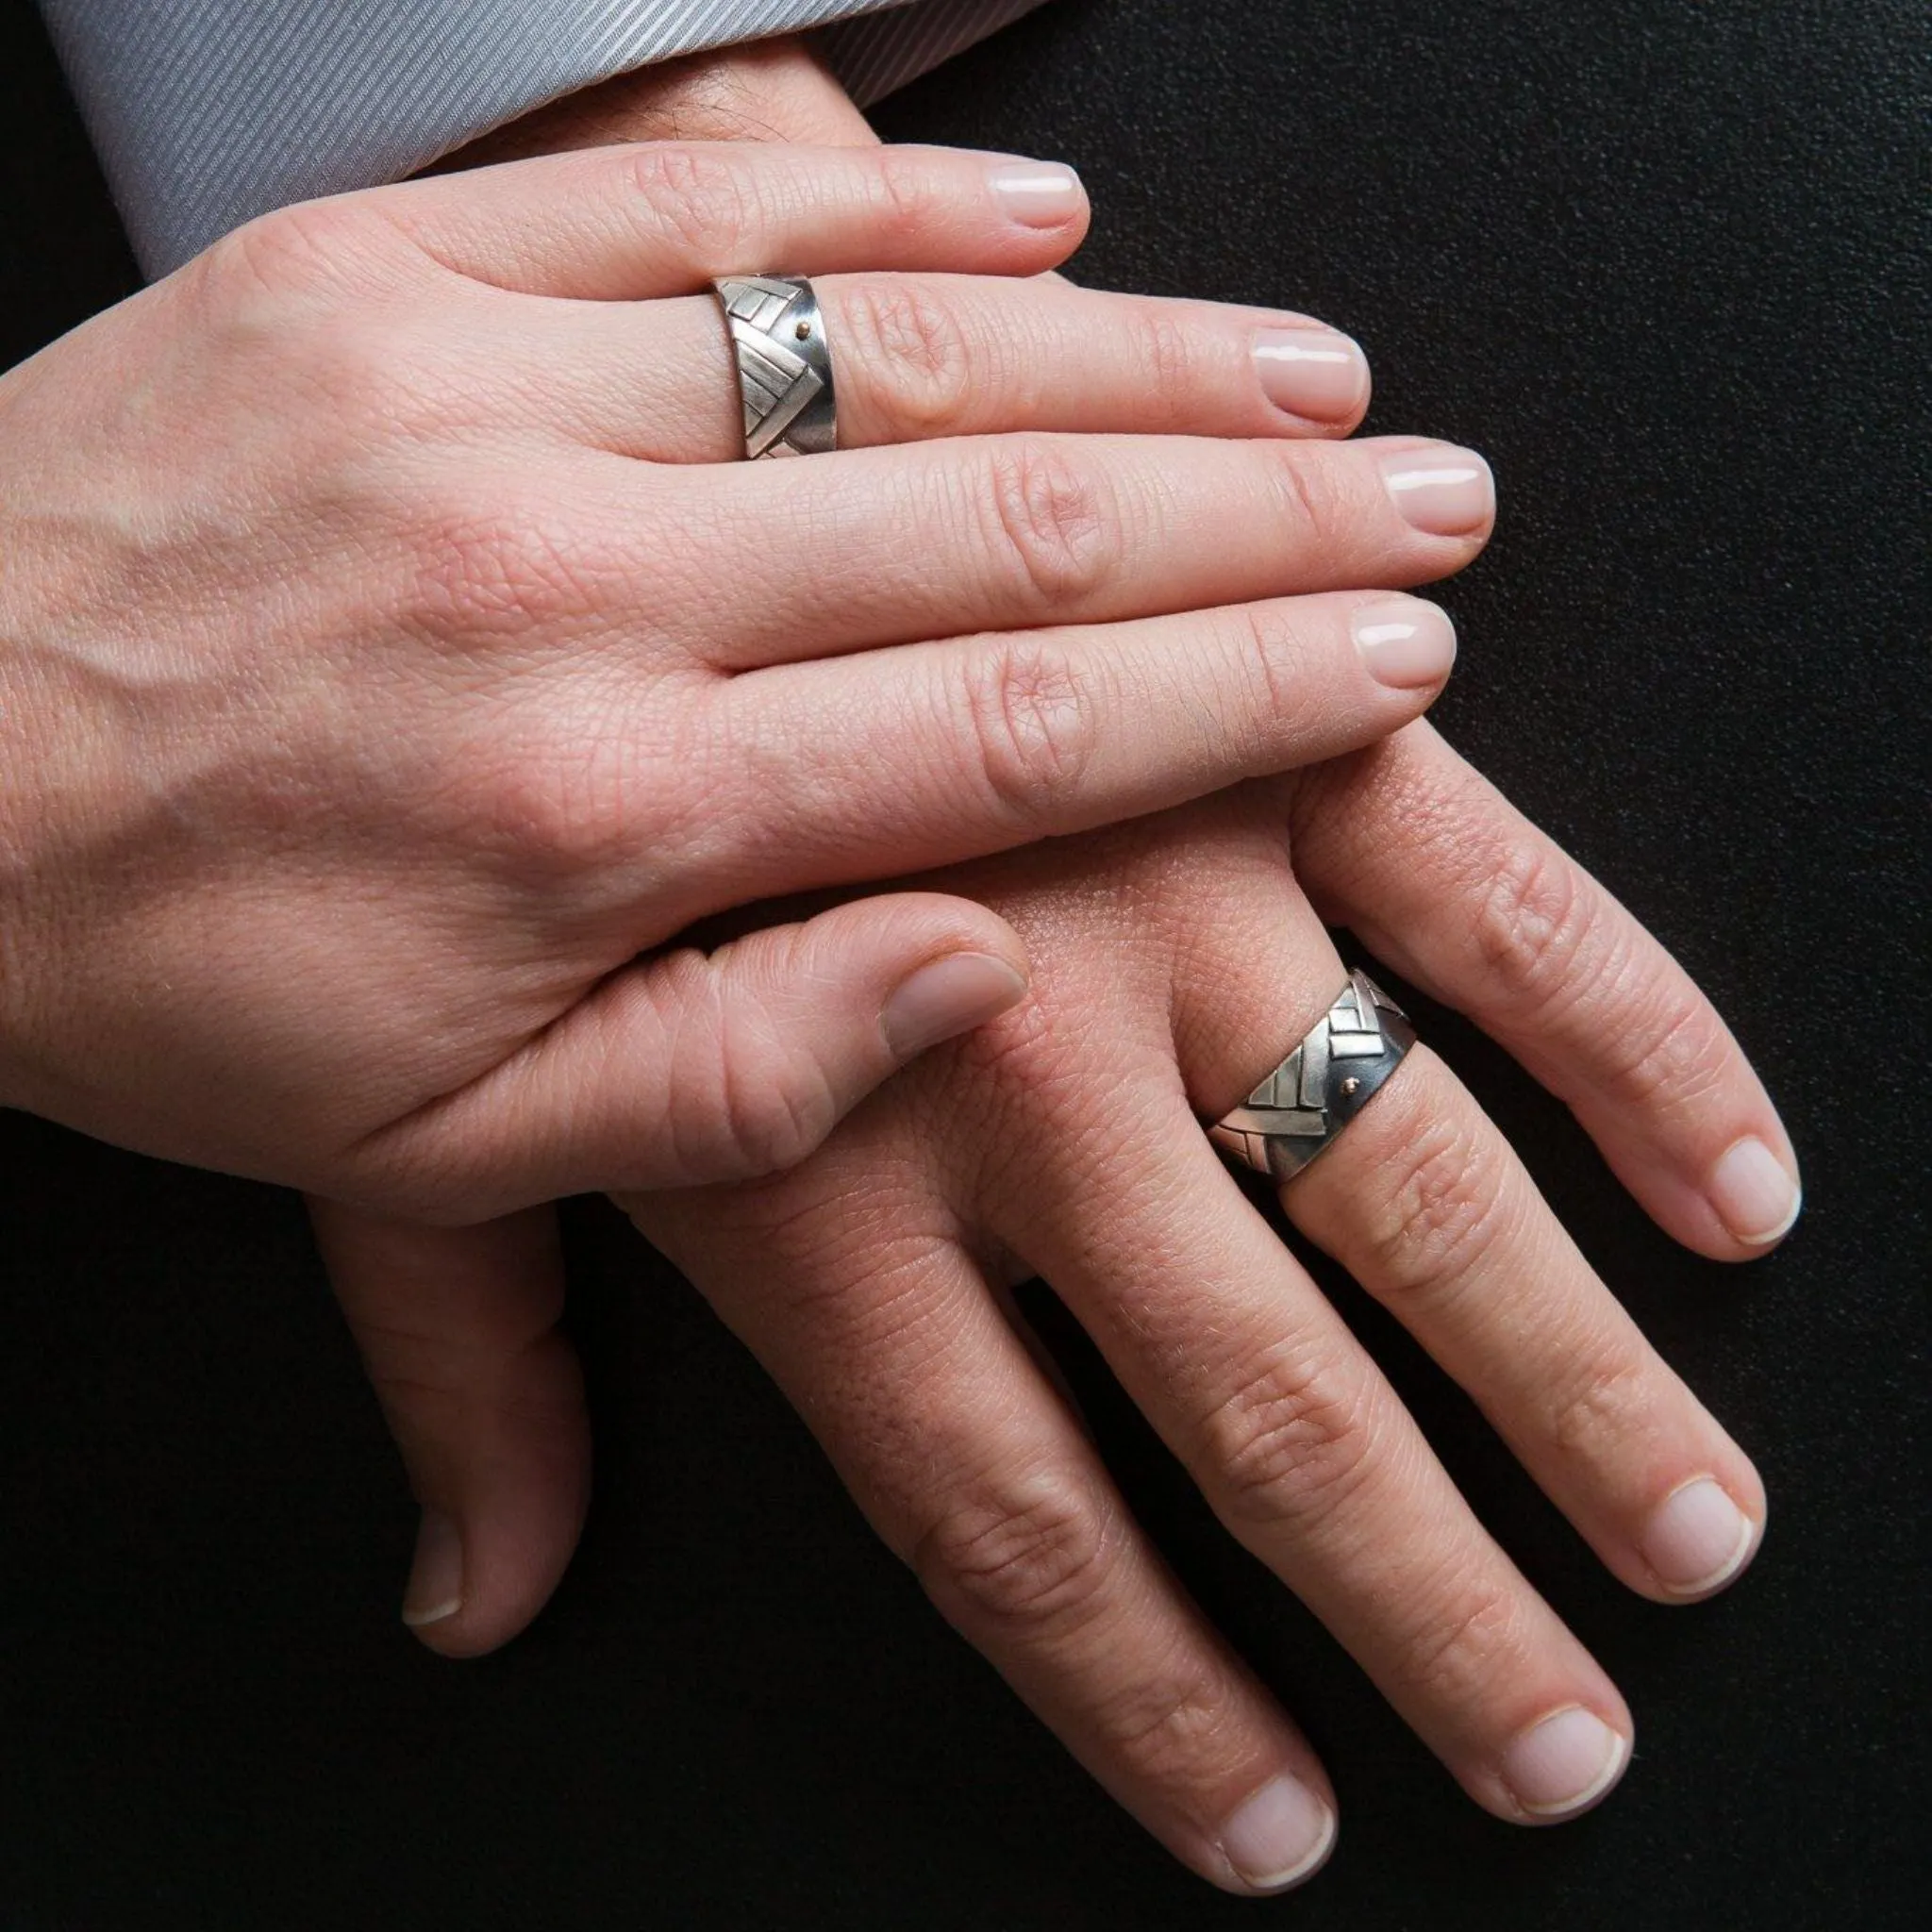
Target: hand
(389, 655)
(1176, 960)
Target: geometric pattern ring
(784, 365)
(1307, 1101)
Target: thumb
(457, 1328)
(689, 1068)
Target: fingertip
(1700, 1540)
(1315, 376)
(434, 1591)
(1278, 1838)
(1566, 1763)
(947, 996)
(1757, 1197)
(1045, 198)
(1407, 643)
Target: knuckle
(1604, 1406)
(1289, 1442)
(917, 347)
(1443, 1212)
(1047, 528)
(1462, 1644)
(584, 793)
(310, 247)
(1169, 369)
(699, 198)
(907, 198)
(487, 566)
(1271, 640)
(1533, 924)
(560, 806)
(1674, 1057)
(1033, 721)
(1312, 500)
(1023, 1554)
(1171, 1723)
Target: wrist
(776, 89)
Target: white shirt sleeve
(206, 112)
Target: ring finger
(918, 356)
(1429, 1208)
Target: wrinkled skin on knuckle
(916, 349)
(1535, 927)
(1602, 1410)
(1312, 496)
(700, 199)
(1462, 1640)
(1172, 1722)
(1435, 1205)
(1668, 1055)
(1287, 677)
(1050, 535)
(1171, 378)
(1033, 722)
(1289, 1443)
(905, 198)
(1026, 1556)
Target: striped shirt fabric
(206, 112)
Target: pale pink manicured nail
(436, 1580)
(1313, 372)
(1568, 1760)
(1755, 1194)
(1038, 194)
(1278, 1837)
(1442, 491)
(945, 997)
(1698, 1538)
(1405, 641)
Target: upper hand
(391, 653)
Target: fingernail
(947, 996)
(1038, 194)
(1405, 641)
(1755, 1194)
(1698, 1538)
(436, 1580)
(1278, 1837)
(1567, 1761)
(1442, 491)
(1313, 372)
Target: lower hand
(1175, 960)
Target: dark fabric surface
(1665, 263)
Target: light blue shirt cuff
(206, 112)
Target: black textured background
(1666, 263)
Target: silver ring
(784, 365)
(1307, 1101)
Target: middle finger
(863, 548)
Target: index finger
(664, 218)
